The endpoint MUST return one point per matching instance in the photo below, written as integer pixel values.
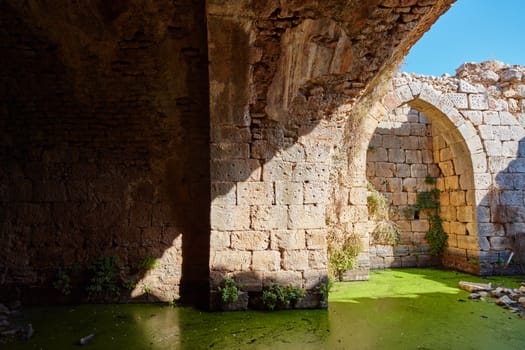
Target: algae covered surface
(396, 309)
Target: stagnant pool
(396, 309)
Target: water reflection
(399, 309)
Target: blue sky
(471, 31)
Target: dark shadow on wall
(109, 154)
(105, 153)
(504, 235)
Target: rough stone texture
(110, 114)
(286, 76)
(405, 135)
(478, 149)
(105, 142)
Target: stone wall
(105, 143)
(111, 111)
(284, 78)
(478, 131)
(400, 157)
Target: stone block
(250, 240)
(452, 182)
(295, 260)
(396, 155)
(507, 118)
(317, 259)
(219, 240)
(486, 132)
(358, 196)
(306, 216)
(294, 153)
(287, 192)
(465, 214)
(314, 278)
(284, 278)
(266, 260)
(502, 133)
(315, 192)
(269, 217)
(491, 118)
(490, 229)
(385, 169)
(513, 198)
(277, 170)
(483, 213)
(429, 95)
(354, 213)
(419, 225)
(478, 101)
(288, 240)
(418, 170)
(229, 217)
(230, 260)
(392, 142)
(311, 172)
(402, 170)
(255, 193)
(223, 193)
(517, 166)
(457, 198)
(479, 163)
(402, 130)
(448, 213)
(509, 149)
(378, 154)
(458, 99)
(399, 198)
(498, 164)
(447, 168)
(230, 134)
(500, 243)
(384, 250)
(466, 87)
(414, 156)
(316, 239)
(493, 148)
(320, 152)
(251, 281)
(227, 150)
(417, 131)
(235, 170)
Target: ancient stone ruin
(203, 140)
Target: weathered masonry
(229, 138)
(473, 124)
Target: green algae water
(396, 309)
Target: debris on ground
(512, 299)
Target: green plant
(429, 202)
(146, 288)
(62, 282)
(324, 289)
(344, 258)
(436, 236)
(105, 277)
(428, 199)
(148, 263)
(278, 296)
(229, 290)
(386, 232)
(130, 284)
(377, 204)
(429, 180)
(475, 261)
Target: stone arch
(457, 137)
